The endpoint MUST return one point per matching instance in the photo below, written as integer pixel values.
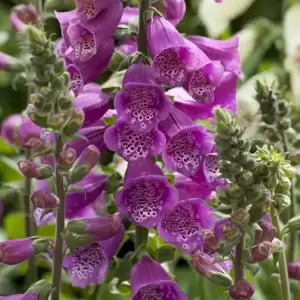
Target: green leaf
(165, 253)
(9, 170)
(5, 148)
(109, 121)
(122, 272)
(14, 225)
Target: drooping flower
(33, 170)
(13, 252)
(23, 15)
(183, 224)
(241, 290)
(224, 96)
(174, 10)
(142, 103)
(189, 149)
(76, 79)
(225, 51)
(10, 129)
(42, 199)
(128, 46)
(132, 145)
(90, 264)
(93, 102)
(9, 63)
(294, 270)
(146, 194)
(150, 281)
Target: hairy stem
(284, 279)
(141, 234)
(291, 212)
(38, 4)
(60, 225)
(238, 260)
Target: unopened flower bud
(229, 230)
(36, 36)
(284, 124)
(13, 252)
(40, 103)
(43, 199)
(234, 190)
(75, 122)
(39, 146)
(39, 119)
(9, 129)
(210, 239)
(41, 290)
(85, 162)
(282, 201)
(245, 179)
(9, 63)
(66, 158)
(240, 216)
(32, 170)
(268, 231)
(23, 15)
(283, 187)
(66, 102)
(89, 230)
(241, 290)
(57, 121)
(261, 252)
(294, 270)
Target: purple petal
(144, 167)
(41, 220)
(129, 13)
(89, 265)
(76, 79)
(144, 199)
(28, 130)
(128, 46)
(133, 145)
(147, 271)
(182, 225)
(9, 128)
(185, 150)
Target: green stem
(238, 260)
(141, 234)
(38, 4)
(60, 225)
(291, 212)
(284, 279)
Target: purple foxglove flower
(261, 252)
(188, 188)
(93, 102)
(150, 281)
(176, 59)
(66, 158)
(42, 199)
(43, 216)
(90, 264)
(224, 95)
(84, 163)
(22, 15)
(13, 252)
(227, 230)
(128, 46)
(132, 145)
(268, 232)
(9, 63)
(10, 129)
(89, 9)
(182, 225)
(33, 170)
(28, 130)
(129, 14)
(146, 194)
(89, 189)
(294, 269)
(225, 51)
(242, 289)
(189, 147)
(76, 83)
(174, 10)
(91, 135)
(204, 264)
(142, 103)
(95, 229)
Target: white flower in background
(291, 32)
(217, 16)
(247, 41)
(248, 107)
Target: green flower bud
(272, 135)
(66, 102)
(234, 190)
(233, 152)
(42, 289)
(250, 164)
(240, 216)
(235, 168)
(41, 103)
(269, 118)
(75, 122)
(40, 245)
(255, 193)
(39, 119)
(59, 67)
(283, 108)
(283, 187)
(223, 196)
(245, 179)
(284, 124)
(282, 201)
(57, 121)
(36, 36)
(220, 278)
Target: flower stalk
(238, 260)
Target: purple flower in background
(10, 129)
(90, 264)
(142, 102)
(93, 102)
(146, 194)
(128, 46)
(182, 225)
(189, 147)
(225, 51)
(9, 63)
(150, 281)
(241, 290)
(224, 96)
(43, 216)
(23, 15)
(174, 10)
(28, 130)
(294, 270)
(132, 145)
(129, 14)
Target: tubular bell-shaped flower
(150, 281)
(90, 264)
(23, 15)
(182, 225)
(174, 10)
(10, 129)
(146, 194)
(9, 63)
(142, 102)
(132, 145)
